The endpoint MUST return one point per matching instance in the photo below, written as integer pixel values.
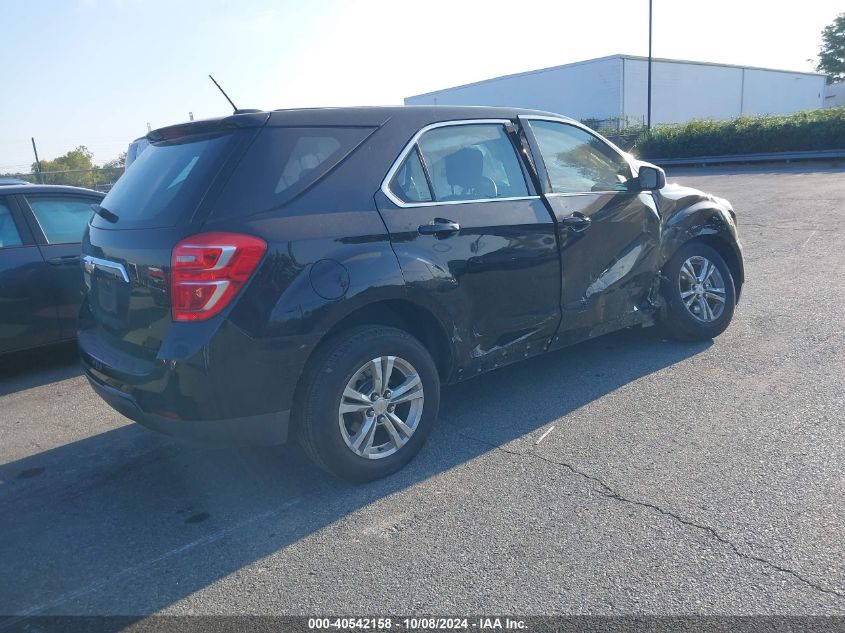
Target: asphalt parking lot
(677, 478)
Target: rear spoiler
(209, 126)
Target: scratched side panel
(497, 280)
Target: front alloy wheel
(702, 288)
(699, 293)
(381, 407)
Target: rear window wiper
(104, 213)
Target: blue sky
(95, 72)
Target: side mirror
(651, 178)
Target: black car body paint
(518, 277)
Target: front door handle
(440, 228)
(64, 259)
(577, 222)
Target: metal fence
(623, 131)
(614, 124)
(627, 141)
(101, 179)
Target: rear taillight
(207, 270)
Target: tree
(74, 168)
(117, 163)
(832, 55)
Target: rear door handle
(577, 222)
(440, 228)
(64, 259)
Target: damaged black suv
(319, 274)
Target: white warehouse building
(615, 87)
(834, 95)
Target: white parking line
(543, 436)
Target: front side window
(472, 162)
(8, 231)
(62, 220)
(578, 161)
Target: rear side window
(410, 183)
(282, 163)
(8, 232)
(62, 220)
(167, 181)
(472, 162)
(308, 153)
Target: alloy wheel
(381, 407)
(702, 289)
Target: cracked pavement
(698, 478)
(609, 492)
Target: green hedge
(810, 130)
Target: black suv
(320, 273)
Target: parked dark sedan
(320, 273)
(7, 182)
(41, 227)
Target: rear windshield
(282, 163)
(166, 182)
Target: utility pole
(37, 162)
(648, 120)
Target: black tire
(334, 364)
(679, 321)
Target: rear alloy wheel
(699, 292)
(372, 400)
(381, 407)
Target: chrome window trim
(569, 194)
(385, 184)
(473, 201)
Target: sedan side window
(62, 220)
(472, 162)
(578, 161)
(9, 235)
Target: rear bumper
(264, 429)
(220, 388)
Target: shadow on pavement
(129, 522)
(41, 366)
